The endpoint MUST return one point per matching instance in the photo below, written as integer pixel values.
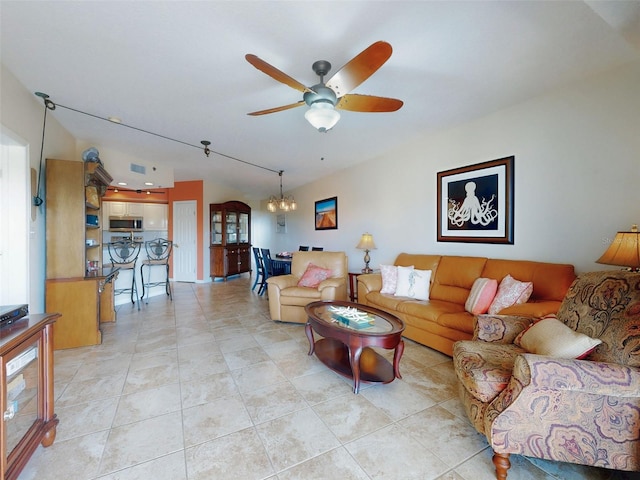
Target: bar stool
(124, 254)
(158, 253)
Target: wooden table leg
(354, 360)
(309, 332)
(397, 355)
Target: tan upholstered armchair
(287, 300)
(579, 411)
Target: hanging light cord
(204, 142)
(37, 200)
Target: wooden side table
(353, 284)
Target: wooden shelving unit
(77, 284)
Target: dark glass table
(349, 330)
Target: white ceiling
(178, 69)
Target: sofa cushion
(510, 292)
(454, 278)
(430, 310)
(384, 301)
(314, 276)
(462, 321)
(481, 295)
(389, 278)
(484, 368)
(300, 296)
(553, 338)
(550, 280)
(413, 283)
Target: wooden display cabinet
(230, 249)
(26, 390)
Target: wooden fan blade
(274, 73)
(277, 109)
(368, 103)
(361, 67)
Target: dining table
(282, 263)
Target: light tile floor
(208, 387)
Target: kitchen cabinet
(27, 395)
(156, 216)
(126, 209)
(230, 239)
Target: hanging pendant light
(286, 204)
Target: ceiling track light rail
(50, 105)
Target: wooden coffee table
(346, 345)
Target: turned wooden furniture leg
(502, 463)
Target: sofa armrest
(369, 282)
(551, 401)
(332, 283)
(499, 328)
(580, 376)
(283, 281)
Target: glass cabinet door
(22, 374)
(216, 228)
(243, 228)
(232, 227)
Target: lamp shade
(366, 242)
(624, 250)
(322, 115)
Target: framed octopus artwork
(475, 203)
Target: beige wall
(577, 177)
(22, 114)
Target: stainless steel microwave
(126, 224)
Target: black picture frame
(476, 203)
(326, 214)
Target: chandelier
(283, 203)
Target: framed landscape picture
(475, 203)
(326, 214)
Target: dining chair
(124, 254)
(317, 249)
(272, 267)
(261, 274)
(303, 248)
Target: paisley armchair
(580, 411)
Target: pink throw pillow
(510, 292)
(389, 278)
(481, 295)
(313, 276)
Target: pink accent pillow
(313, 275)
(510, 292)
(389, 278)
(553, 338)
(481, 295)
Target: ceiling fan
(325, 98)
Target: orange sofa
(442, 320)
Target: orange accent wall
(192, 190)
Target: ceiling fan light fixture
(322, 115)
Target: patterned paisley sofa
(580, 411)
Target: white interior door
(185, 233)
(14, 218)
